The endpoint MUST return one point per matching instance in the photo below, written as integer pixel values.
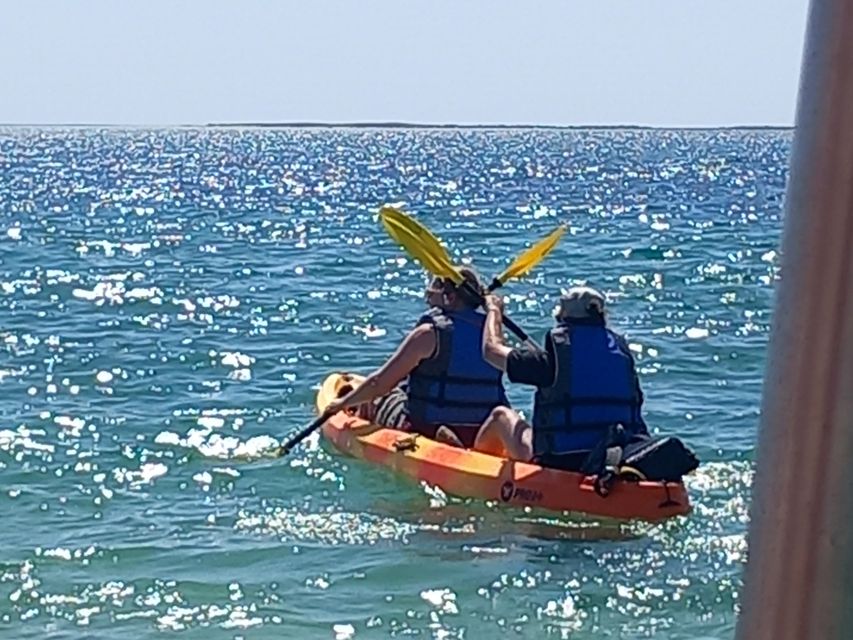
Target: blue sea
(170, 300)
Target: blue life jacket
(456, 386)
(595, 385)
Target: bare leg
(505, 434)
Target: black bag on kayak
(666, 458)
(638, 457)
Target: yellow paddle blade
(407, 238)
(413, 246)
(419, 243)
(533, 256)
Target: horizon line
(390, 124)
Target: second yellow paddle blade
(533, 256)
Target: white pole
(799, 576)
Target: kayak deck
(471, 474)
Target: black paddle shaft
(284, 449)
(508, 323)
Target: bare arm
(495, 352)
(417, 346)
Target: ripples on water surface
(170, 299)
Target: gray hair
(580, 303)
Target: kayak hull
(471, 474)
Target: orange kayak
(471, 474)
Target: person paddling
(585, 379)
(448, 381)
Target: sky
(546, 62)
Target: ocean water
(170, 300)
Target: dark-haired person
(448, 382)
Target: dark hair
(472, 278)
